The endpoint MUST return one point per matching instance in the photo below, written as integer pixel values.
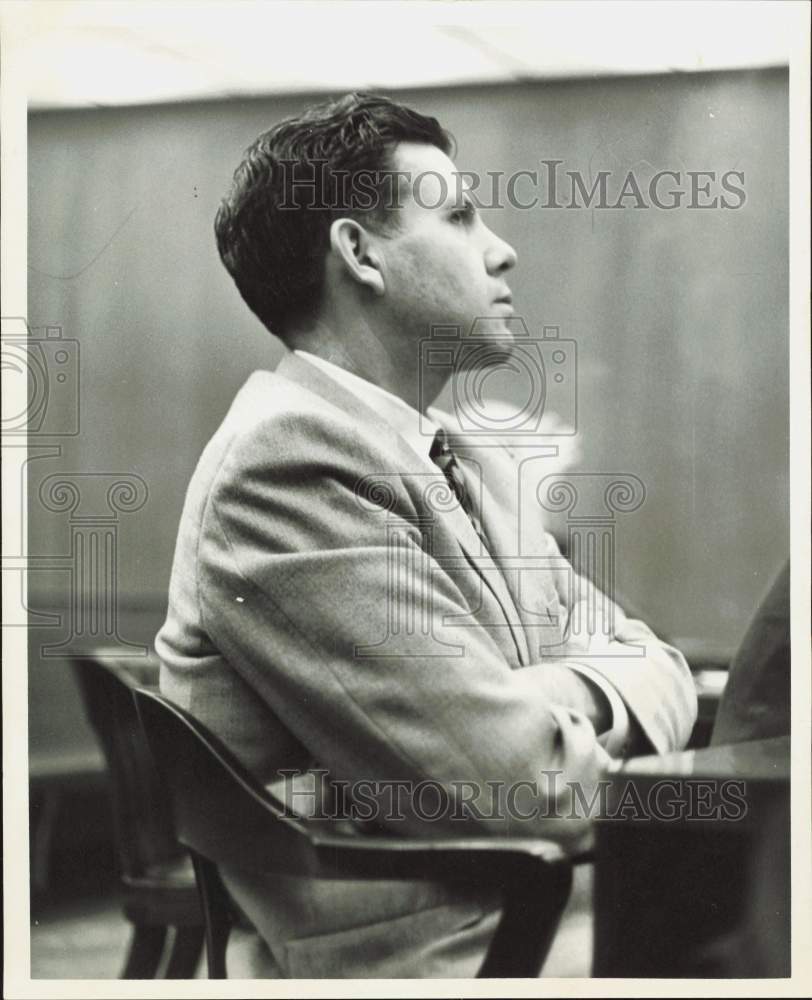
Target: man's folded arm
(650, 676)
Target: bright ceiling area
(87, 54)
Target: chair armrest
(503, 862)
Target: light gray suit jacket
(330, 609)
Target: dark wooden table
(692, 865)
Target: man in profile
(340, 600)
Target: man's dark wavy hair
(334, 160)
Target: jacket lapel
(527, 578)
(496, 505)
(405, 461)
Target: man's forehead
(429, 166)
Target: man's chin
(491, 342)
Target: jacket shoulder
(283, 427)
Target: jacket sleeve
(651, 676)
(294, 576)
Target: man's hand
(569, 689)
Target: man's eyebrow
(460, 198)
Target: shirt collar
(418, 431)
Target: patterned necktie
(445, 459)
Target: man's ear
(352, 245)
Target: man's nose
(500, 255)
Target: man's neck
(367, 358)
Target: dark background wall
(680, 318)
